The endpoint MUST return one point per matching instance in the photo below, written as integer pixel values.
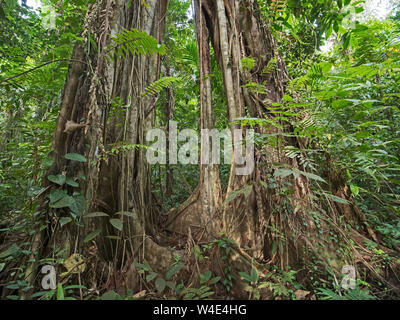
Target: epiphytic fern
(135, 42)
(271, 66)
(159, 85)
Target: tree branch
(38, 67)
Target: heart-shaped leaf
(78, 204)
(64, 202)
(151, 276)
(56, 195)
(58, 179)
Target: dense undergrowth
(348, 100)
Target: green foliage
(345, 104)
(157, 86)
(29, 103)
(135, 42)
(278, 286)
(161, 282)
(358, 293)
(248, 63)
(356, 115)
(60, 293)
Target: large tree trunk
(103, 95)
(292, 228)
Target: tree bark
(275, 227)
(98, 88)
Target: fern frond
(159, 85)
(135, 42)
(271, 66)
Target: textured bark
(118, 182)
(275, 228)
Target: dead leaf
(140, 294)
(75, 264)
(301, 294)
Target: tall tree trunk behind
(201, 211)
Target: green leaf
(91, 236)
(174, 270)
(205, 277)
(141, 266)
(75, 157)
(245, 276)
(214, 280)
(64, 221)
(283, 173)
(254, 275)
(312, 176)
(206, 294)
(151, 276)
(160, 285)
(170, 285)
(64, 202)
(78, 204)
(56, 195)
(242, 191)
(13, 250)
(96, 214)
(287, 98)
(58, 179)
(72, 183)
(2, 265)
(117, 223)
(39, 294)
(159, 85)
(13, 286)
(336, 199)
(111, 295)
(60, 292)
(135, 42)
(74, 286)
(354, 190)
